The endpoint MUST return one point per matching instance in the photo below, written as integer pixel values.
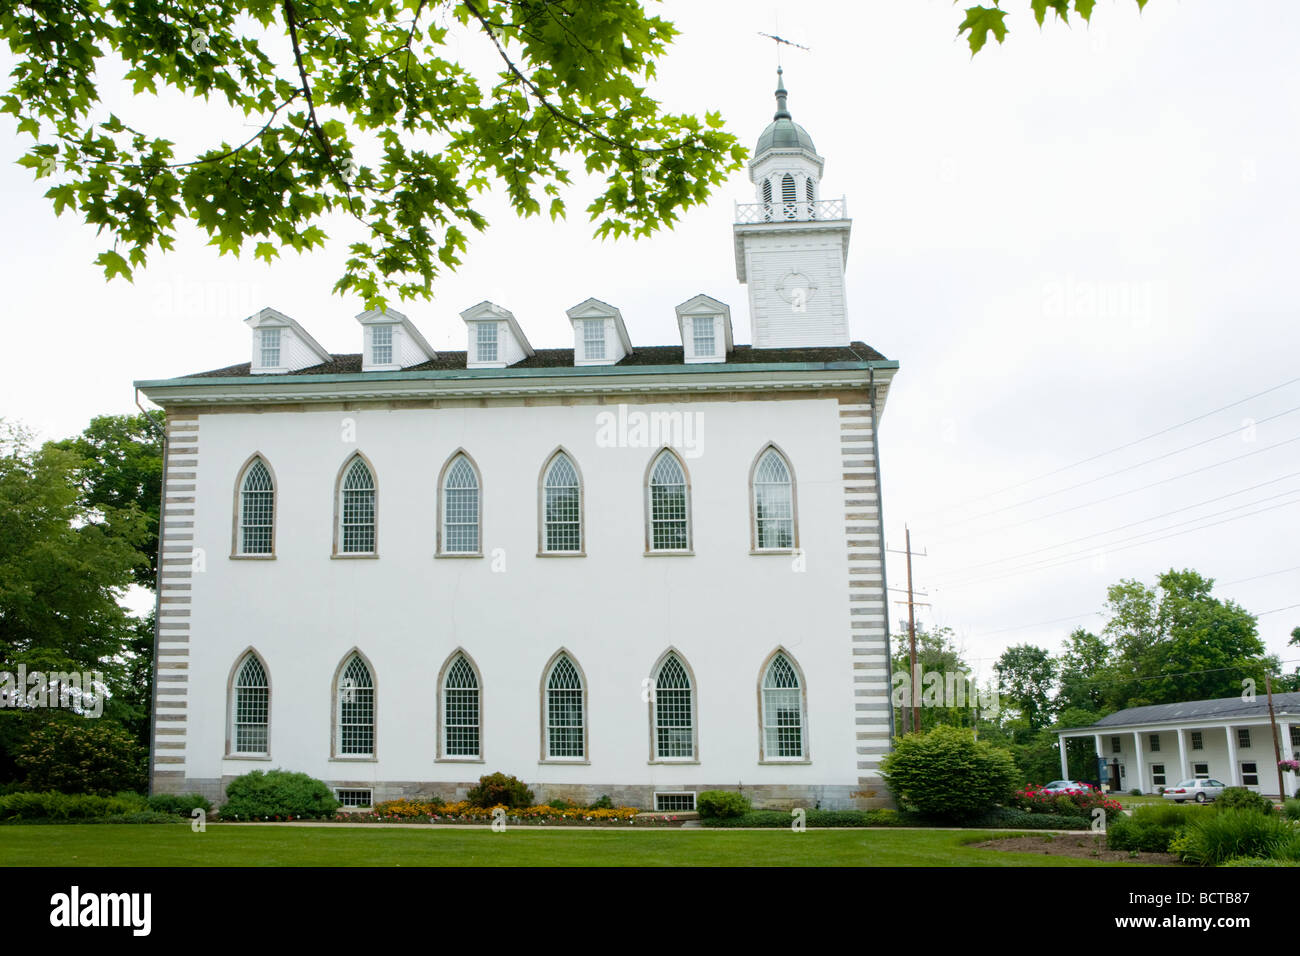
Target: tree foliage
(1026, 675)
(63, 565)
(980, 20)
(376, 110)
(120, 474)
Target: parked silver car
(1201, 790)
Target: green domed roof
(783, 132)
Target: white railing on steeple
(801, 211)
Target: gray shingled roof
(560, 358)
(1193, 710)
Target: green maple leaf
(979, 21)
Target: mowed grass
(163, 845)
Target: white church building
(610, 568)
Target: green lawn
(162, 845)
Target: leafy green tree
(1083, 672)
(1026, 676)
(62, 569)
(981, 20)
(121, 479)
(380, 111)
(1179, 642)
(936, 653)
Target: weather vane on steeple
(779, 42)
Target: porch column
(1141, 764)
(1182, 756)
(1101, 754)
(1065, 764)
(1234, 770)
(1288, 753)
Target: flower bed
(1081, 804)
(420, 811)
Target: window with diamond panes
(773, 503)
(270, 348)
(460, 705)
(486, 341)
(357, 510)
(256, 510)
(381, 345)
(702, 332)
(674, 719)
(252, 707)
(563, 507)
(593, 338)
(564, 718)
(460, 504)
(356, 710)
(668, 512)
(782, 710)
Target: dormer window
(381, 345)
(593, 338)
(270, 348)
(486, 340)
(704, 338)
(390, 341)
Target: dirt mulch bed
(1080, 845)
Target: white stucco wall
(615, 610)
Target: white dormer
(599, 335)
(282, 345)
(705, 326)
(391, 342)
(495, 339)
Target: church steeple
(791, 245)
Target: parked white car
(1067, 786)
(1201, 790)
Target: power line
(1120, 471)
(1097, 534)
(1131, 491)
(1011, 572)
(1136, 441)
(1289, 607)
(1256, 577)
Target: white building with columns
(605, 568)
(1160, 745)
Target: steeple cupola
(786, 170)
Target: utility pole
(912, 605)
(1277, 750)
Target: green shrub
(721, 804)
(1135, 792)
(1013, 818)
(1151, 829)
(28, 806)
(82, 756)
(604, 803)
(180, 804)
(1218, 837)
(500, 789)
(264, 794)
(560, 804)
(1291, 809)
(1240, 798)
(948, 775)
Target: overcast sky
(1070, 243)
